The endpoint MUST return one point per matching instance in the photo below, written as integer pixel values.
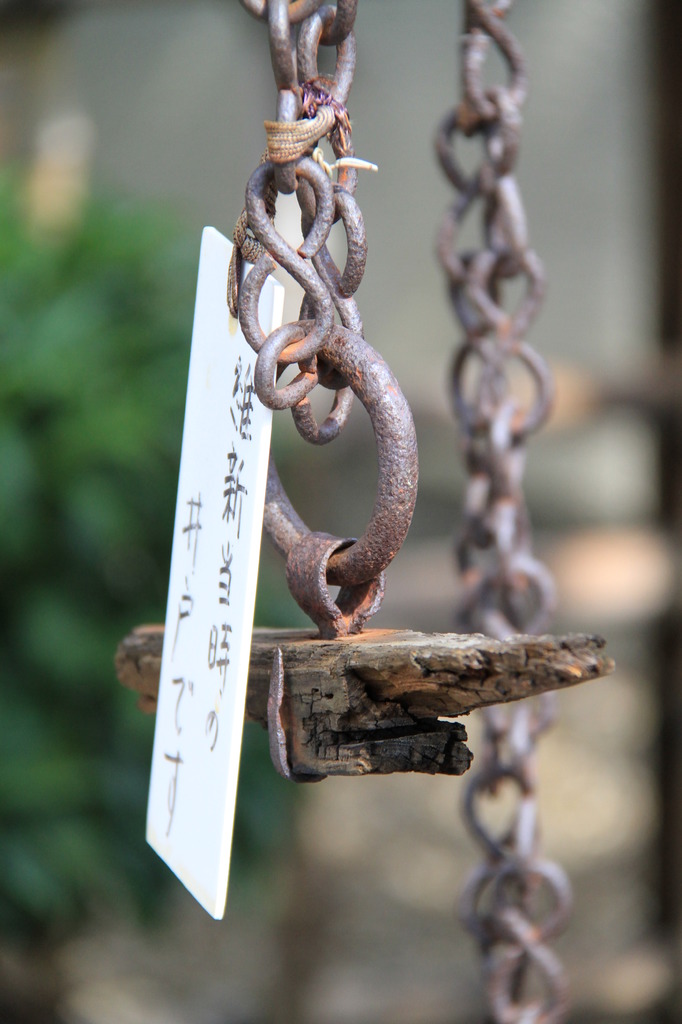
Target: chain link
(327, 341)
(515, 902)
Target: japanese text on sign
(212, 588)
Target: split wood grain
(374, 702)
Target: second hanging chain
(505, 589)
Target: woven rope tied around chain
(289, 140)
(321, 115)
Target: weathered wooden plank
(372, 703)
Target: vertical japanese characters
(229, 501)
(191, 529)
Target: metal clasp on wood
(276, 731)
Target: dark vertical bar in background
(666, 52)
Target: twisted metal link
(515, 902)
(326, 342)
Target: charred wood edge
(374, 703)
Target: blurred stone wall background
(166, 102)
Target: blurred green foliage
(95, 328)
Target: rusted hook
(277, 736)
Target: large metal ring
(376, 387)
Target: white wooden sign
(212, 590)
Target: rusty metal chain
(327, 342)
(516, 901)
